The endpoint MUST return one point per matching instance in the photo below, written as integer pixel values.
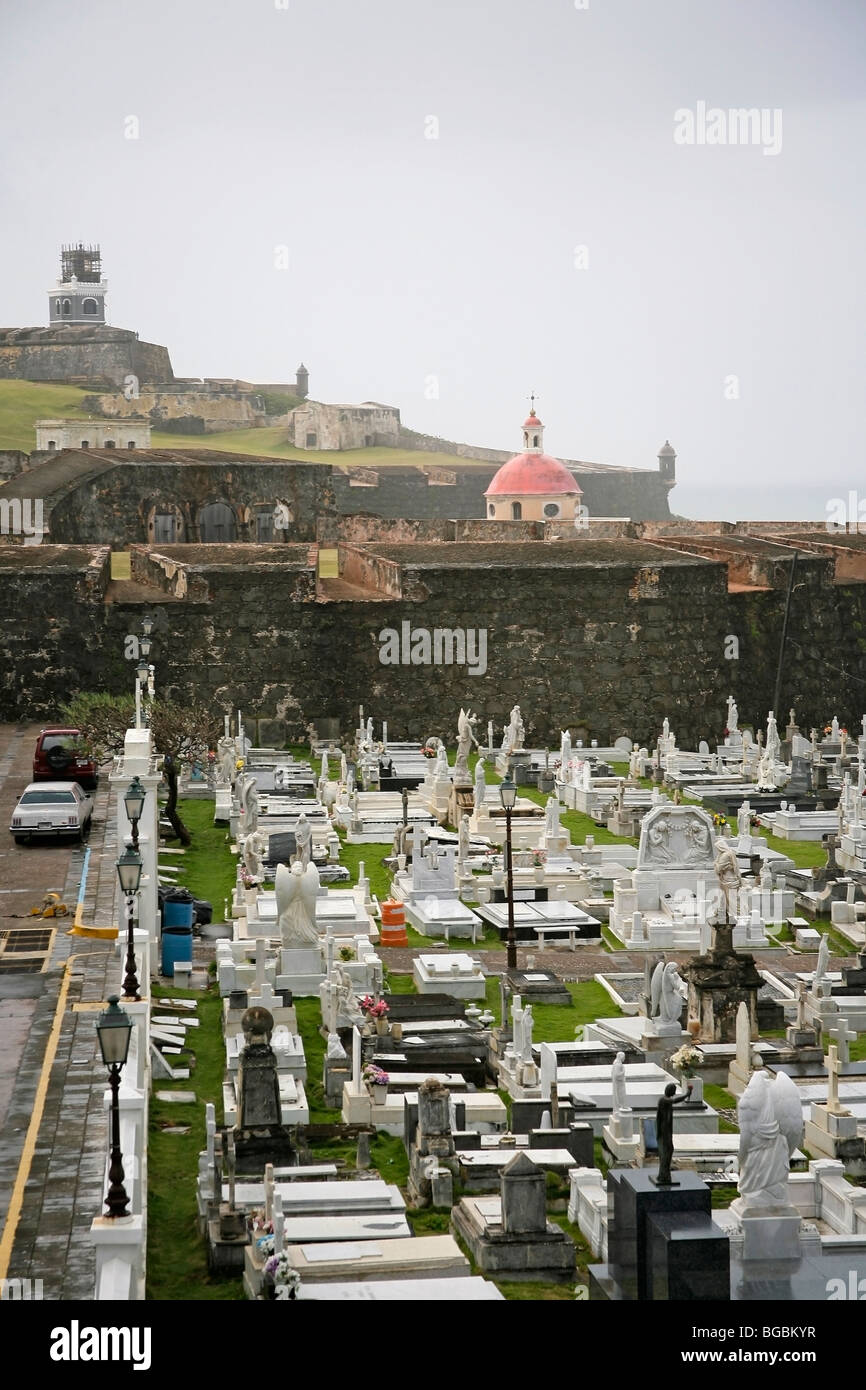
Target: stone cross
(384, 735)
(417, 835)
(357, 1088)
(843, 1036)
(260, 964)
(269, 1191)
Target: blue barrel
(176, 945)
(178, 909)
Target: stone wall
(80, 354)
(190, 412)
(615, 639)
(117, 507)
(12, 462)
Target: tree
(182, 734)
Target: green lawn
(207, 868)
(22, 403)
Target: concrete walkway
(67, 1152)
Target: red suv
(60, 757)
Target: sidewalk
(64, 1188)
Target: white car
(52, 808)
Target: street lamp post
(508, 797)
(133, 802)
(142, 671)
(129, 874)
(114, 1028)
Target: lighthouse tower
(79, 295)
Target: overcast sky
(554, 236)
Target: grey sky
(454, 258)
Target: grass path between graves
(176, 1253)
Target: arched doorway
(216, 524)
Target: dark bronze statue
(665, 1131)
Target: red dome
(529, 474)
(532, 422)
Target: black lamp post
(114, 1028)
(129, 874)
(508, 797)
(134, 803)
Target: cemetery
(537, 1040)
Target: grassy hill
(22, 403)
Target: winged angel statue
(296, 891)
(770, 1116)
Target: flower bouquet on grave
(686, 1058)
(720, 823)
(539, 858)
(373, 1008)
(377, 1080)
(285, 1277)
(428, 752)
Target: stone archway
(217, 524)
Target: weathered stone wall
(12, 462)
(81, 354)
(616, 643)
(117, 507)
(194, 412)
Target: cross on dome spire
(533, 430)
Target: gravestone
(431, 1158)
(511, 1237)
(259, 1134)
(662, 1242)
(719, 982)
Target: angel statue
(303, 841)
(667, 993)
(249, 817)
(254, 849)
(465, 739)
(770, 1116)
(296, 892)
(225, 762)
(480, 788)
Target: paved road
(26, 873)
(64, 1189)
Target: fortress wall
(103, 356)
(116, 508)
(613, 647)
(190, 412)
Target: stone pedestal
(662, 1242)
(621, 1137)
(718, 983)
(768, 1233)
(833, 1134)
